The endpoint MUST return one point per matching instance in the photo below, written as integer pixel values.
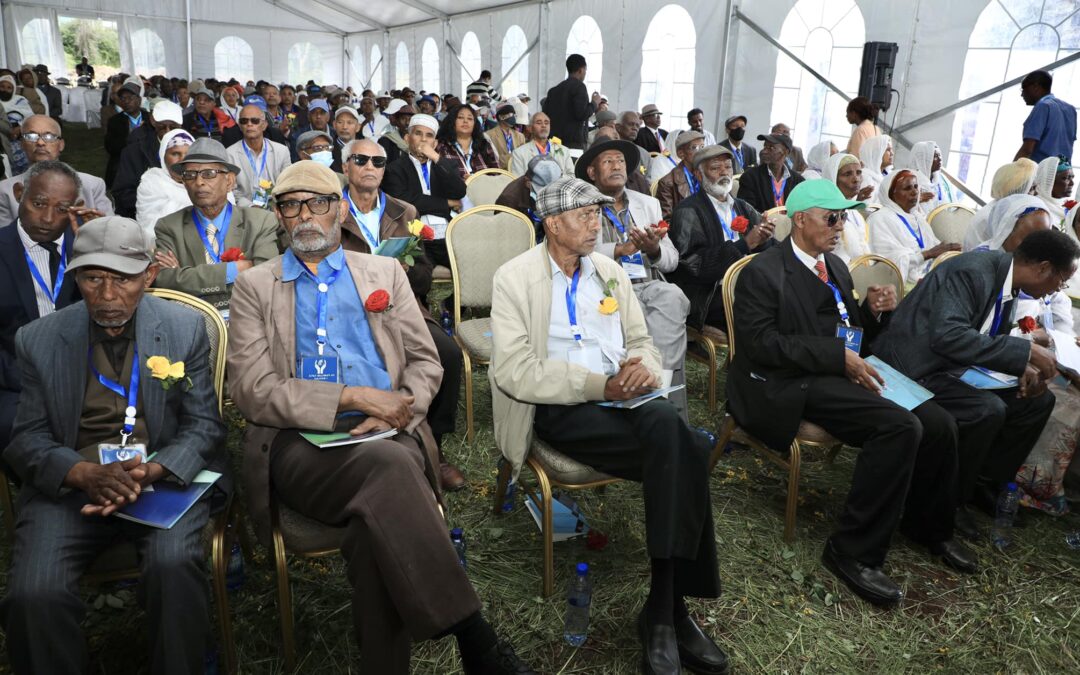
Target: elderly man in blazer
(801, 336)
(364, 363)
(650, 136)
(768, 185)
(195, 244)
(630, 235)
(680, 183)
(959, 316)
(568, 333)
(505, 137)
(259, 158)
(86, 385)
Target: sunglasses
(249, 120)
(361, 160)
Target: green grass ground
(781, 612)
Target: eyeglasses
(318, 206)
(1063, 283)
(34, 137)
(361, 160)
(312, 149)
(206, 174)
(249, 120)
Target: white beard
(719, 190)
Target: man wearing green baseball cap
(801, 337)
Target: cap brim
(203, 159)
(109, 261)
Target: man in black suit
(709, 240)
(745, 154)
(569, 106)
(428, 182)
(651, 136)
(799, 357)
(768, 185)
(131, 117)
(52, 95)
(959, 316)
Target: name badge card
(634, 265)
(113, 452)
(851, 335)
(317, 367)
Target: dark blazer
(54, 98)
(18, 304)
(569, 107)
(704, 253)
(116, 139)
(749, 153)
(139, 156)
(516, 196)
(785, 334)
(755, 187)
(394, 223)
(402, 182)
(184, 425)
(936, 327)
(647, 140)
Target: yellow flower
(265, 184)
(415, 227)
(177, 370)
(556, 140)
(159, 366)
(609, 305)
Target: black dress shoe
(499, 660)
(697, 651)
(956, 555)
(659, 648)
(869, 583)
(964, 524)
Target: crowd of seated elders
(272, 202)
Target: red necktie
(822, 274)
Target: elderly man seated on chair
(568, 334)
(89, 398)
(799, 356)
(329, 340)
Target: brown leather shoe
(450, 477)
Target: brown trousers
(407, 583)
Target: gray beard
(718, 190)
(323, 243)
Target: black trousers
(9, 402)
(653, 446)
(436, 250)
(997, 430)
(442, 413)
(905, 470)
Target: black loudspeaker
(875, 81)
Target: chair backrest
(727, 286)
(943, 257)
(874, 270)
(735, 186)
(950, 222)
(217, 333)
(479, 241)
(484, 187)
(781, 220)
(870, 209)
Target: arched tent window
(470, 60)
(357, 75)
(1011, 38)
(401, 66)
(429, 67)
(36, 42)
(667, 65)
(828, 36)
(305, 63)
(585, 39)
(514, 46)
(377, 66)
(148, 51)
(233, 57)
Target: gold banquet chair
(809, 435)
(781, 220)
(950, 222)
(485, 186)
(875, 270)
(943, 257)
(120, 562)
(479, 241)
(712, 340)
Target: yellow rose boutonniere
(266, 184)
(168, 372)
(556, 140)
(609, 305)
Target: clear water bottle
(447, 325)
(578, 600)
(1072, 540)
(457, 538)
(511, 491)
(1007, 504)
(234, 571)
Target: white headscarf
(172, 139)
(1002, 220)
(871, 153)
(816, 158)
(1044, 188)
(922, 158)
(883, 192)
(1014, 178)
(833, 165)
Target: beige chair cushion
(562, 469)
(441, 273)
(808, 432)
(303, 534)
(476, 334)
(875, 274)
(951, 224)
(486, 189)
(715, 334)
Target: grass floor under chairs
(781, 612)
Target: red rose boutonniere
(1069, 204)
(740, 224)
(232, 255)
(662, 228)
(1027, 324)
(378, 302)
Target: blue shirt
(230, 267)
(348, 334)
(1052, 125)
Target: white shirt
(1053, 311)
(372, 130)
(709, 138)
(437, 223)
(889, 237)
(40, 257)
(656, 134)
(1006, 296)
(807, 259)
(601, 347)
(854, 239)
(725, 211)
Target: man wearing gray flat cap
(90, 396)
(568, 333)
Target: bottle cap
(456, 533)
(1011, 487)
(582, 569)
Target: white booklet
(632, 403)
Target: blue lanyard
(466, 159)
(371, 127)
(546, 150)
(131, 393)
(373, 239)
(778, 197)
(694, 187)
(739, 156)
(321, 302)
(535, 218)
(209, 126)
(427, 176)
(996, 323)
(134, 122)
(917, 233)
(728, 232)
(840, 306)
(939, 192)
(54, 292)
(251, 161)
(216, 257)
(571, 304)
(614, 218)
(509, 138)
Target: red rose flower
(378, 302)
(596, 540)
(232, 255)
(1069, 204)
(426, 233)
(662, 228)
(1027, 324)
(740, 224)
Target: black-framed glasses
(206, 174)
(834, 217)
(249, 120)
(34, 137)
(318, 206)
(360, 160)
(322, 147)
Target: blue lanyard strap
(509, 138)
(54, 292)
(134, 121)
(427, 176)
(321, 303)
(778, 195)
(614, 218)
(840, 306)
(915, 232)
(209, 126)
(251, 161)
(131, 393)
(728, 232)
(996, 323)
(371, 127)
(466, 158)
(372, 238)
(201, 227)
(535, 218)
(694, 186)
(571, 304)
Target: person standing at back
(569, 106)
(1050, 129)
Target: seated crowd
(276, 205)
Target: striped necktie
(821, 272)
(211, 236)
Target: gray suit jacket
(184, 424)
(277, 160)
(936, 327)
(93, 195)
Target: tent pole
(723, 65)
(187, 26)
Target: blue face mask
(324, 157)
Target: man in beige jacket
(568, 334)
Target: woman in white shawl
(846, 171)
(1054, 185)
(877, 155)
(1014, 178)
(899, 232)
(662, 164)
(926, 161)
(161, 192)
(816, 159)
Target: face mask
(737, 134)
(324, 157)
(510, 121)
(5, 96)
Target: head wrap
(922, 157)
(872, 152)
(1001, 221)
(818, 155)
(172, 139)
(1014, 178)
(1045, 175)
(886, 187)
(835, 163)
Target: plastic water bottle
(457, 538)
(1007, 504)
(578, 600)
(511, 495)
(1072, 540)
(234, 571)
(447, 326)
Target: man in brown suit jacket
(361, 363)
(680, 183)
(505, 137)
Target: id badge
(587, 356)
(851, 335)
(113, 452)
(260, 199)
(319, 368)
(634, 265)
